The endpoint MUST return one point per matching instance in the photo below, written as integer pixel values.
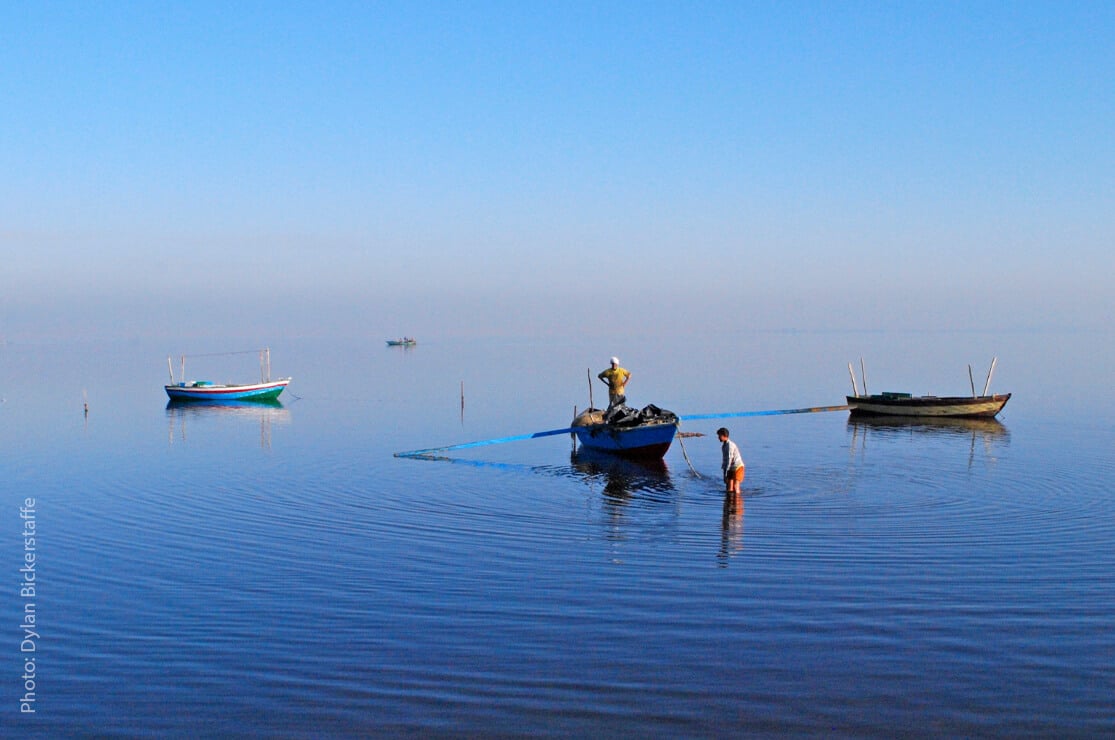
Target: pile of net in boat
(625, 416)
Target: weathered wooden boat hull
(268, 391)
(927, 406)
(643, 442)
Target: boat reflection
(985, 433)
(265, 412)
(986, 429)
(622, 478)
(638, 496)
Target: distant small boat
(636, 435)
(404, 342)
(904, 404)
(204, 390)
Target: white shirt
(731, 457)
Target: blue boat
(636, 435)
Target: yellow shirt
(616, 378)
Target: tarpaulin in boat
(625, 416)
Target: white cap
(615, 360)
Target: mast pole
(988, 383)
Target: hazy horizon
(502, 169)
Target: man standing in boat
(616, 379)
(731, 463)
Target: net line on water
(775, 412)
(569, 430)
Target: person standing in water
(731, 462)
(616, 379)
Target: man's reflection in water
(731, 527)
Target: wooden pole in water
(588, 372)
(852, 374)
(170, 367)
(988, 383)
(863, 374)
(972, 381)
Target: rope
(809, 410)
(501, 440)
(225, 354)
(686, 454)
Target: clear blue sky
(542, 168)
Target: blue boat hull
(643, 442)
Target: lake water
(276, 570)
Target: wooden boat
(204, 390)
(904, 404)
(636, 435)
(404, 342)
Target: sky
(521, 168)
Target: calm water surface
(275, 570)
